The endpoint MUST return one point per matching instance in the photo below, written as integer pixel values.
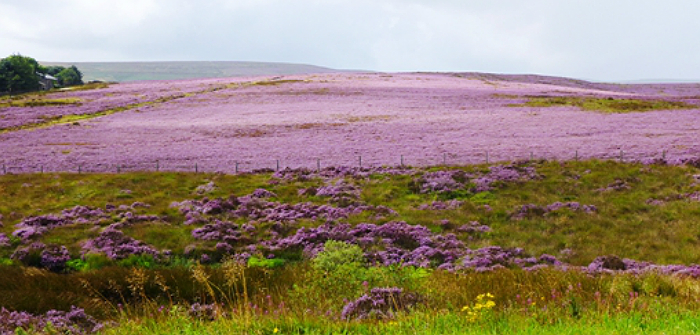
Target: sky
(601, 40)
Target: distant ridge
(137, 71)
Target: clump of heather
(205, 188)
(693, 196)
(532, 210)
(4, 241)
(29, 255)
(74, 321)
(339, 191)
(116, 245)
(499, 174)
(442, 181)
(615, 264)
(54, 258)
(617, 185)
(395, 242)
(35, 226)
(453, 180)
(380, 303)
(255, 207)
(495, 257)
(442, 205)
(473, 227)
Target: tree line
(19, 74)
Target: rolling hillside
(136, 71)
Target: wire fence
(211, 165)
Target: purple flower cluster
(443, 181)
(255, 207)
(532, 210)
(694, 196)
(4, 241)
(380, 303)
(339, 190)
(452, 180)
(206, 188)
(504, 174)
(494, 257)
(35, 226)
(29, 255)
(115, 245)
(617, 185)
(394, 242)
(227, 234)
(74, 321)
(208, 312)
(54, 258)
(613, 264)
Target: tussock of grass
(605, 105)
(36, 102)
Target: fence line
(243, 166)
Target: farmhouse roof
(47, 76)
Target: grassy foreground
(644, 212)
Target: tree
(54, 70)
(70, 76)
(18, 74)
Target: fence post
(119, 168)
(487, 156)
(622, 156)
(236, 166)
(157, 166)
(401, 160)
(531, 155)
(360, 160)
(278, 165)
(318, 165)
(196, 169)
(79, 169)
(42, 169)
(576, 155)
(663, 155)
(444, 158)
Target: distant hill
(136, 71)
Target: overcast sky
(606, 40)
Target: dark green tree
(70, 76)
(18, 74)
(54, 70)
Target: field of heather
(345, 120)
(363, 204)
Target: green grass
(605, 105)
(636, 323)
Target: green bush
(337, 254)
(255, 262)
(141, 261)
(89, 262)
